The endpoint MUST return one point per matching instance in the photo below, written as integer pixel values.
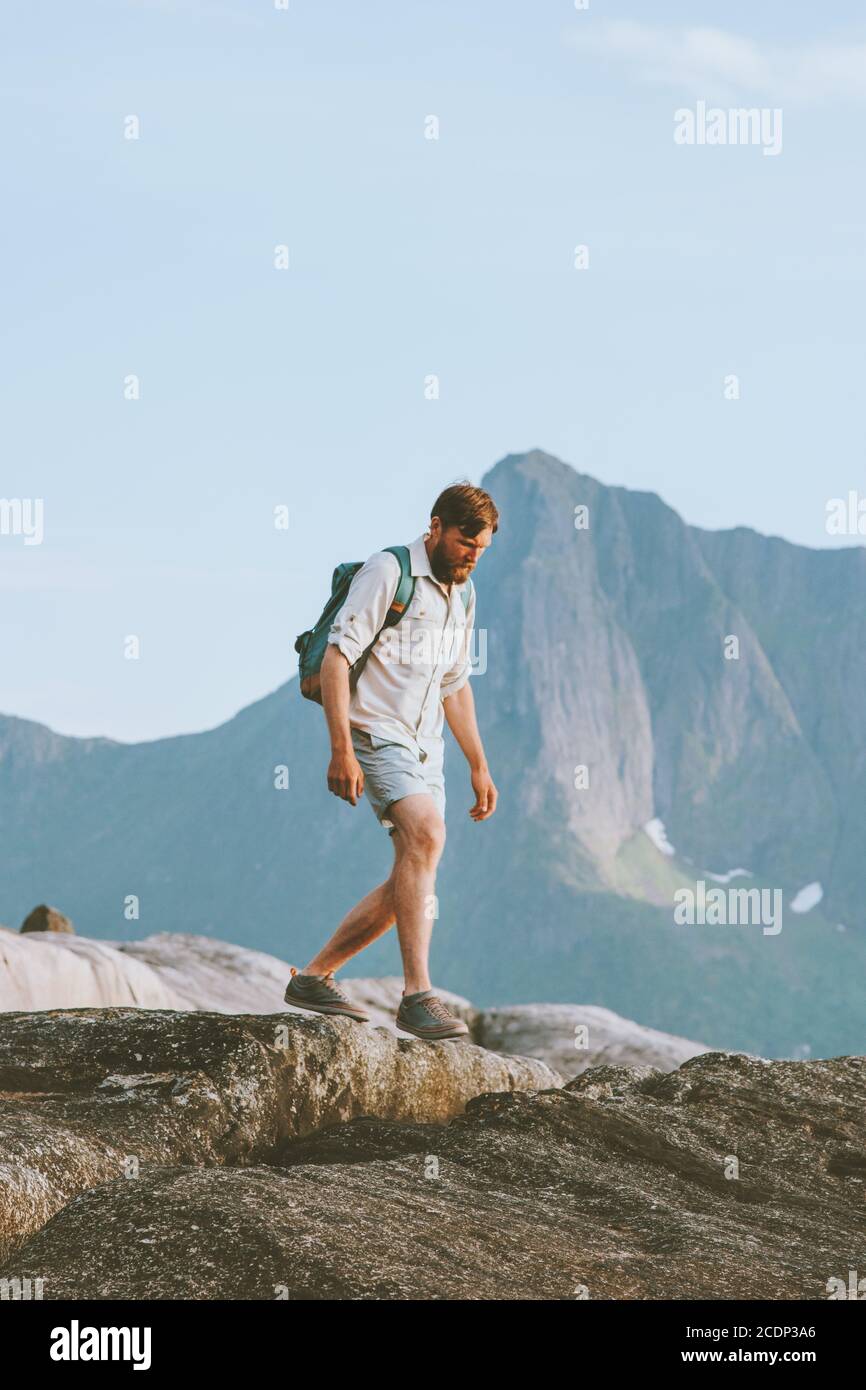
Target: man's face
(454, 556)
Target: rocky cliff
(150, 1155)
(88, 1096)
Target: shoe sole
(324, 1009)
(430, 1036)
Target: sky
(430, 169)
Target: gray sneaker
(321, 995)
(426, 1016)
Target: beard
(447, 571)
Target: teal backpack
(311, 645)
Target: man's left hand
(486, 796)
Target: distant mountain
(605, 650)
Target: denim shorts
(392, 770)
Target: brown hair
(470, 508)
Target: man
(386, 738)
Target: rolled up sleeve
(370, 595)
(458, 673)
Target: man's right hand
(346, 777)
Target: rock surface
(618, 1186)
(550, 1031)
(89, 1095)
(178, 970)
(48, 970)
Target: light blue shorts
(391, 771)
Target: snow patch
(732, 873)
(655, 828)
(807, 898)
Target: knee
(427, 840)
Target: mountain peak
(533, 463)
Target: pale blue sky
(408, 257)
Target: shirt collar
(419, 563)
(419, 560)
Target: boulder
(44, 918)
(46, 971)
(729, 1178)
(89, 1095)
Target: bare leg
(369, 919)
(420, 839)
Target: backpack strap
(399, 603)
(405, 586)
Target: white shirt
(414, 666)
